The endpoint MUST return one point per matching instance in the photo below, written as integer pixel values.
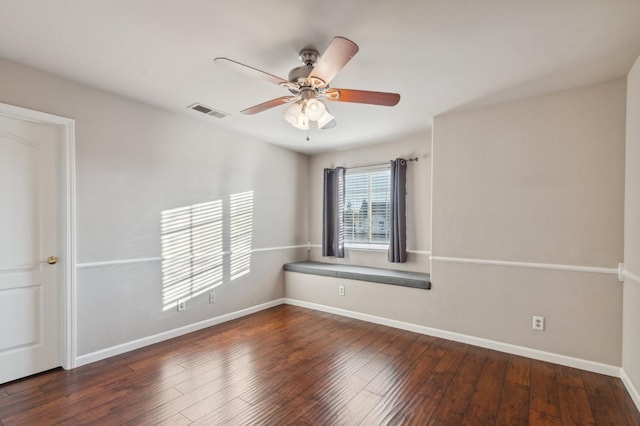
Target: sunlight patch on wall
(192, 251)
(241, 228)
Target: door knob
(52, 260)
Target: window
(367, 206)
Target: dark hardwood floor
(290, 365)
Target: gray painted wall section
(538, 180)
(631, 308)
(133, 162)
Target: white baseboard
(166, 335)
(596, 367)
(635, 395)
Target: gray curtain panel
(332, 221)
(398, 235)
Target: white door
(30, 314)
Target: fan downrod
(309, 56)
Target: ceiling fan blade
(269, 104)
(339, 52)
(250, 71)
(363, 97)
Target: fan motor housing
(301, 72)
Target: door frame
(67, 225)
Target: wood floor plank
(291, 365)
(121, 409)
(514, 405)
(289, 411)
(175, 420)
(625, 402)
(33, 384)
(340, 387)
(453, 405)
(257, 414)
(398, 400)
(327, 357)
(574, 405)
(483, 406)
(81, 378)
(394, 402)
(386, 380)
(450, 354)
(163, 412)
(219, 414)
(568, 376)
(603, 394)
(356, 409)
(543, 396)
(421, 406)
(537, 418)
(335, 392)
(64, 407)
(518, 370)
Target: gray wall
(631, 307)
(133, 162)
(418, 199)
(539, 180)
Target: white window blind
(367, 206)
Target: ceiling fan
(309, 85)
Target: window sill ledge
(362, 273)
(367, 247)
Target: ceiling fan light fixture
(315, 109)
(296, 116)
(325, 119)
(300, 113)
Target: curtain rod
(378, 164)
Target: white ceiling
(439, 55)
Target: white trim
(18, 269)
(633, 392)
(170, 334)
(100, 264)
(630, 275)
(533, 265)
(366, 247)
(424, 252)
(87, 265)
(610, 370)
(356, 248)
(69, 234)
(278, 248)
(68, 221)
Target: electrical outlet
(341, 290)
(181, 306)
(212, 298)
(538, 323)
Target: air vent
(207, 110)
